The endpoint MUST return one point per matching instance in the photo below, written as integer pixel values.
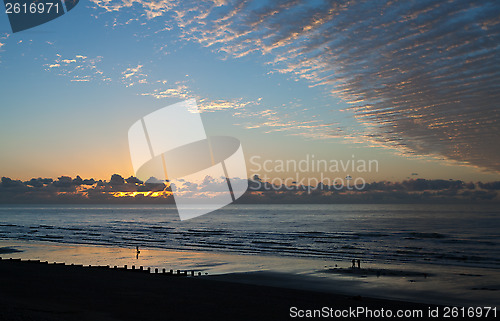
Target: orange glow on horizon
(145, 194)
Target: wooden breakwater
(133, 268)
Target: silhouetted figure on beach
(359, 264)
(353, 263)
(137, 252)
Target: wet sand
(9, 250)
(377, 272)
(427, 284)
(38, 291)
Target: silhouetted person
(137, 252)
(353, 263)
(359, 264)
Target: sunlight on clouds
(3, 37)
(132, 75)
(180, 91)
(423, 74)
(152, 8)
(131, 71)
(293, 123)
(422, 77)
(309, 129)
(79, 69)
(161, 89)
(205, 105)
(83, 79)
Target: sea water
(412, 249)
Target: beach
(41, 291)
(74, 282)
(423, 254)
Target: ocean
(440, 234)
(456, 242)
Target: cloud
(205, 105)
(129, 72)
(79, 68)
(422, 76)
(80, 191)
(425, 74)
(3, 39)
(152, 8)
(274, 122)
(133, 75)
(297, 120)
(179, 91)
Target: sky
(411, 84)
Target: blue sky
(400, 83)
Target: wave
(282, 233)
(425, 235)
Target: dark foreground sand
(37, 291)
